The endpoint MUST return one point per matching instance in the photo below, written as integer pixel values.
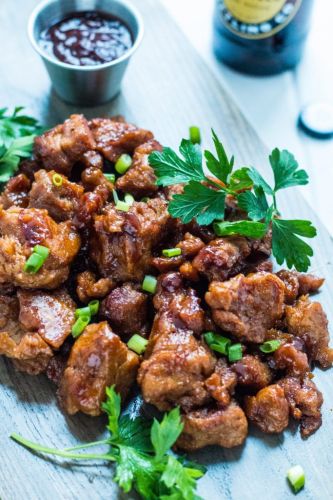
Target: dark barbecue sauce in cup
(87, 38)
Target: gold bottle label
(257, 18)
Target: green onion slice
(122, 206)
(94, 307)
(137, 344)
(33, 264)
(42, 251)
(82, 311)
(149, 284)
(145, 199)
(129, 199)
(195, 135)
(123, 163)
(115, 196)
(235, 352)
(217, 342)
(171, 252)
(110, 177)
(270, 346)
(80, 325)
(57, 180)
(296, 477)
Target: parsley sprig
(17, 133)
(204, 197)
(140, 450)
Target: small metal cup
(85, 85)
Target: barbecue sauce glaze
(87, 38)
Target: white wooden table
(272, 104)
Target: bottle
(261, 37)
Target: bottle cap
(316, 119)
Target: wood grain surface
(167, 88)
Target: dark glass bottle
(261, 37)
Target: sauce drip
(87, 38)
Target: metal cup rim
(97, 67)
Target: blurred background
(272, 103)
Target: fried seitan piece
(29, 352)
(98, 191)
(298, 284)
(308, 321)
(122, 242)
(113, 138)
(126, 309)
(176, 364)
(16, 192)
(268, 409)
(252, 373)
(62, 146)
(222, 258)
(61, 202)
(225, 427)
(98, 359)
(140, 179)
(90, 287)
(247, 306)
(32, 324)
(291, 358)
(305, 401)
(22, 229)
(221, 384)
(50, 314)
(225, 257)
(92, 159)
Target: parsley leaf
(248, 228)
(165, 433)
(112, 409)
(285, 170)
(258, 180)
(254, 203)
(181, 478)
(171, 169)
(17, 133)
(204, 197)
(221, 167)
(141, 453)
(240, 179)
(198, 201)
(288, 247)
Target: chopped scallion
(121, 205)
(123, 163)
(149, 284)
(145, 199)
(82, 311)
(34, 263)
(80, 325)
(171, 252)
(235, 352)
(36, 259)
(270, 346)
(296, 478)
(217, 342)
(137, 344)
(115, 196)
(195, 135)
(57, 180)
(94, 307)
(110, 177)
(42, 251)
(129, 199)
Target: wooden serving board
(167, 88)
